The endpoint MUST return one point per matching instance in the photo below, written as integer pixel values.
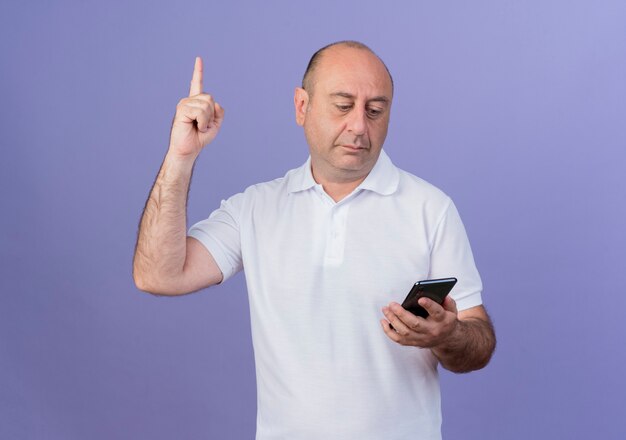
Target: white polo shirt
(318, 274)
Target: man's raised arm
(166, 261)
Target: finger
(201, 104)
(204, 97)
(435, 311)
(449, 304)
(204, 118)
(206, 102)
(391, 334)
(409, 319)
(218, 115)
(195, 88)
(392, 315)
(199, 115)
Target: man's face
(346, 116)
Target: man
(328, 250)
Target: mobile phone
(437, 290)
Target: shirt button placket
(338, 232)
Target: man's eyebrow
(346, 95)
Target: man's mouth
(353, 147)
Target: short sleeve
(220, 234)
(451, 256)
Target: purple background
(515, 109)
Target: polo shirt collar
(302, 178)
(383, 179)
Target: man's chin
(359, 161)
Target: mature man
(328, 250)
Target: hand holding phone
(437, 290)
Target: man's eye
(374, 112)
(344, 108)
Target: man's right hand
(197, 121)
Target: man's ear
(301, 103)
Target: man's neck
(339, 191)
(337, 187)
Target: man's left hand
(409, 329)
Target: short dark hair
(307, 83)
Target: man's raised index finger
(196, 80)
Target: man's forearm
(161, 242)
(469, 347)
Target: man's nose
(357, 123)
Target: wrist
(450, 343)
(180, 162)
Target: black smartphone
(437, 290)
